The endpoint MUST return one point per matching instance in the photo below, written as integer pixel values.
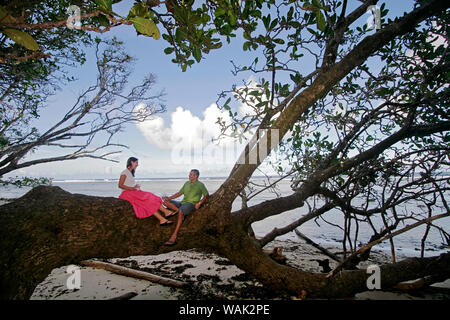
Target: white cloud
(184, 129)
(192, 140)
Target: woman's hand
(137, 187)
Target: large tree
(389, 143)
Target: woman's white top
(129, 180)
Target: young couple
(146, 204)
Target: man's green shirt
(193, 192)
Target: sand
(210, 277)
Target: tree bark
(49, 227)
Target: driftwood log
(133, 273)
(126, 296)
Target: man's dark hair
(197, 173)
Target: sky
(167, 145)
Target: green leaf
(104, 5)
(232, 18)
(146, 27)
(219, 12)
(179, 35)
(197, 54)
(273, 24)
(168, 50)
(139, 10)
(321, 23)
(22, 38)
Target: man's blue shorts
(186, 207)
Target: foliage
(26, 182)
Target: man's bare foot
(170, 243)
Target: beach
(210, 277)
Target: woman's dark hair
(131, 159)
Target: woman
(145, 204)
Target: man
(193, 190)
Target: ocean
(407, 244)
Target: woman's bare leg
(160, 217)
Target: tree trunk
(48, 228)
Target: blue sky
(189, 98)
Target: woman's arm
(124, 187)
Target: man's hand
(197, 205)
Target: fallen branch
(132, 273)
(126, 296)
(421, 283)
(315, 245)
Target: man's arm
(176, 195)
(199, 204)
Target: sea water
(325, 230)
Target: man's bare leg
(170, 206)
(173, 238)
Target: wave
(84, 180)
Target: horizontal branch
(290, 227)
(269, 208)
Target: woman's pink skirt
(145, 204)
